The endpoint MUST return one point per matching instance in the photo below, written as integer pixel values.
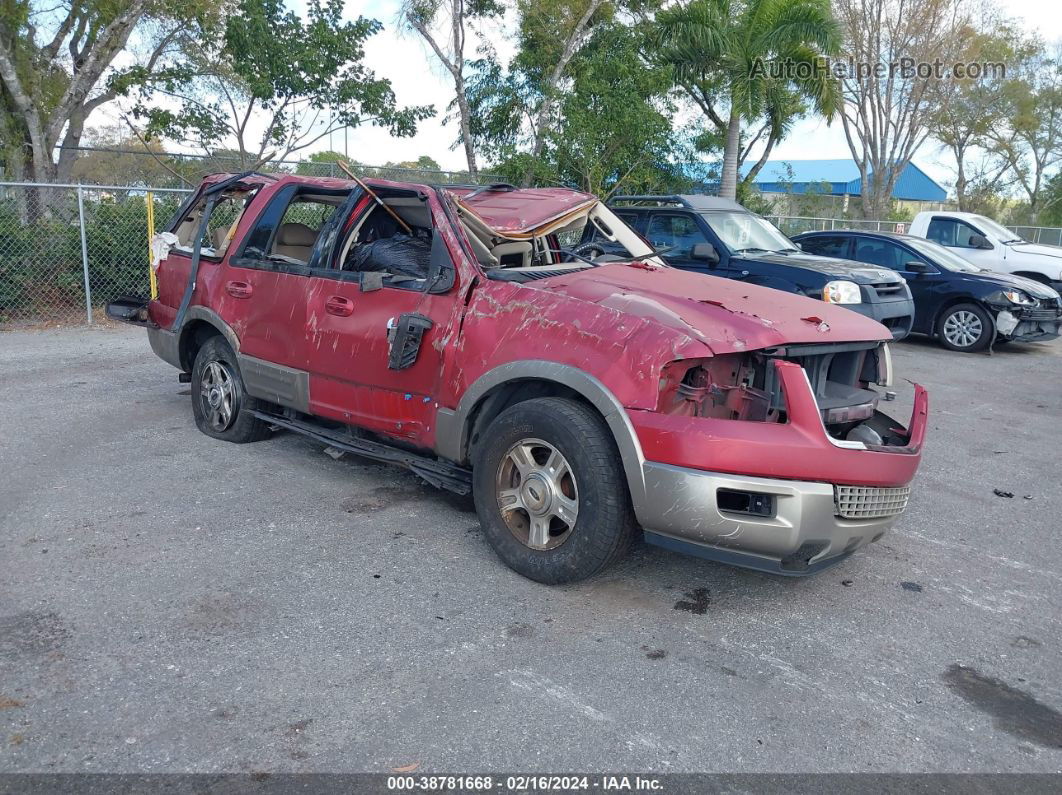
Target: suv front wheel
(220, 404)
(550, 491)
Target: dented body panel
(701, 381)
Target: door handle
(337, 305)
(239, 289)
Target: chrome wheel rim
(537, 494)
(218, 395)
(963, 328)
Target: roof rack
(690, 201)
(659, 199)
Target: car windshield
(941, 256)
(1001, 232)
(747, 232)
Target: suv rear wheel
(220, 404)
(550, 491)
(965, 327)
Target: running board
(438, 473)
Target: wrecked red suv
(451, 331)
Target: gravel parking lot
(173, 603)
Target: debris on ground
(1000, 493)
(911, 586)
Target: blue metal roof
(843, 177)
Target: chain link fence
(65, 250)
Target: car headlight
(1020, 298)
(841, 293)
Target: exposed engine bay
(745, 386)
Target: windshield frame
(781, 242)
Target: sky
(417, 79)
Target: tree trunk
(728, 179)
(465, 113)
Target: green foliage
(40, 262)
(612, 125)
(757, 61)
(295, 72)
(1051, 207)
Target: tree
(305, 79)
(750, 62)
(613, 131)
(972, 107)
(888, 110)
(118, 158)
(456, 16)
(515, 108)
(57, 66)
(1029, 137)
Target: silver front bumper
(804, 534)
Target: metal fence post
(84, 252)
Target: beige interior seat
(220, 236)
(521, 248)
(295, 240)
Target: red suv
(454, 331)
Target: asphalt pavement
(173, 603)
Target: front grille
(888, 289)
(1041, 314)
(870, 502)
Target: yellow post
(149, 199)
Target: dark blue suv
(719, 237)
(961, 304)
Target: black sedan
(958, 303)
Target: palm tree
(751, 61)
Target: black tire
(956, 324)
(604, 520)
(237, 425)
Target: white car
(986, 243)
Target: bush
(40, 252)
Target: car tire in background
(550, 491)
(966, 328)
(220, 403)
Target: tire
(217, 384)
(535, 535)
(958, 325)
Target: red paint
(796, 450)
(523, 211)
(621, 323)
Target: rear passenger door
(264, 286)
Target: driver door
(676, 234)
(955, 234)
(377, 344)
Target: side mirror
(706, 253)
(979, 241)
(919, 267)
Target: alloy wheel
(537, 494)
(218, 395)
